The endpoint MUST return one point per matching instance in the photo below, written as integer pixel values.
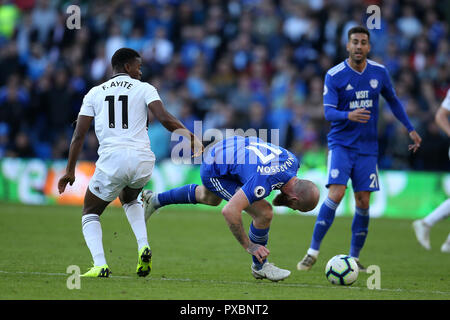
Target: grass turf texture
(195, 257)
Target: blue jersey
(345, 90)
(252, 164)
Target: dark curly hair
(122, 56)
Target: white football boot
(422, 233)
(148, 201)
(446, 245)
(271, 272)
(307, 262)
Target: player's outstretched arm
(173, 124)
(232, 213)
(81, 128)
(441, 118)
(400, 113)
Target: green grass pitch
(195, 257)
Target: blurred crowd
(232, 64)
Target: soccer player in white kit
(119, 107)
(423, 226)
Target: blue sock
(323, 222)
(259, 236)
(360, 228)
(184, 194)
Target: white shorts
(119, 169)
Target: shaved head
(307, 193)
(298, 194)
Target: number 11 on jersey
(124, 100)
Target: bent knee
(336, 193)
(205, 196)
(265, 215)
(362, 199)
(214, 201)
(268, 215)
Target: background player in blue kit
(244, 171)
(350, 100)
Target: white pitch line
(55, 274)
(237, 282)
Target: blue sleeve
(333, 114)
(256, 188)
(396, 106)
(330, 101)
(330, 94)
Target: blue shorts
(344, 163)
(222, 187)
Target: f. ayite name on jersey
(123, 83)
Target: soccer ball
(342, 269)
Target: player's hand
(196, 146)
(416, 139)
(259, 251)
(359, 115)
(68, 178)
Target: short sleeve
(256, 188)
(150, 93)
(330, 95)
(87, 108)
(446, 103)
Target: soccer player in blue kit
(350, 99)
(243, 171)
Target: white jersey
(446, 103)
(119, 108)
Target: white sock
(312, 252)
(92, 232)
(136, 218)
(448, 238)
(438, 214)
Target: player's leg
(423, 226)
(181, 195)
(210, 194)
(326, 216)
(187, 194)
(104, 186)
(446, 245)
(360, 225)
(262, 214)
(340, 163)
(92, 232)
(438, 214)
(365, 181)
(323, 223)
(192, 193)
(204, 196)
(135, 215)
(138, 174)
